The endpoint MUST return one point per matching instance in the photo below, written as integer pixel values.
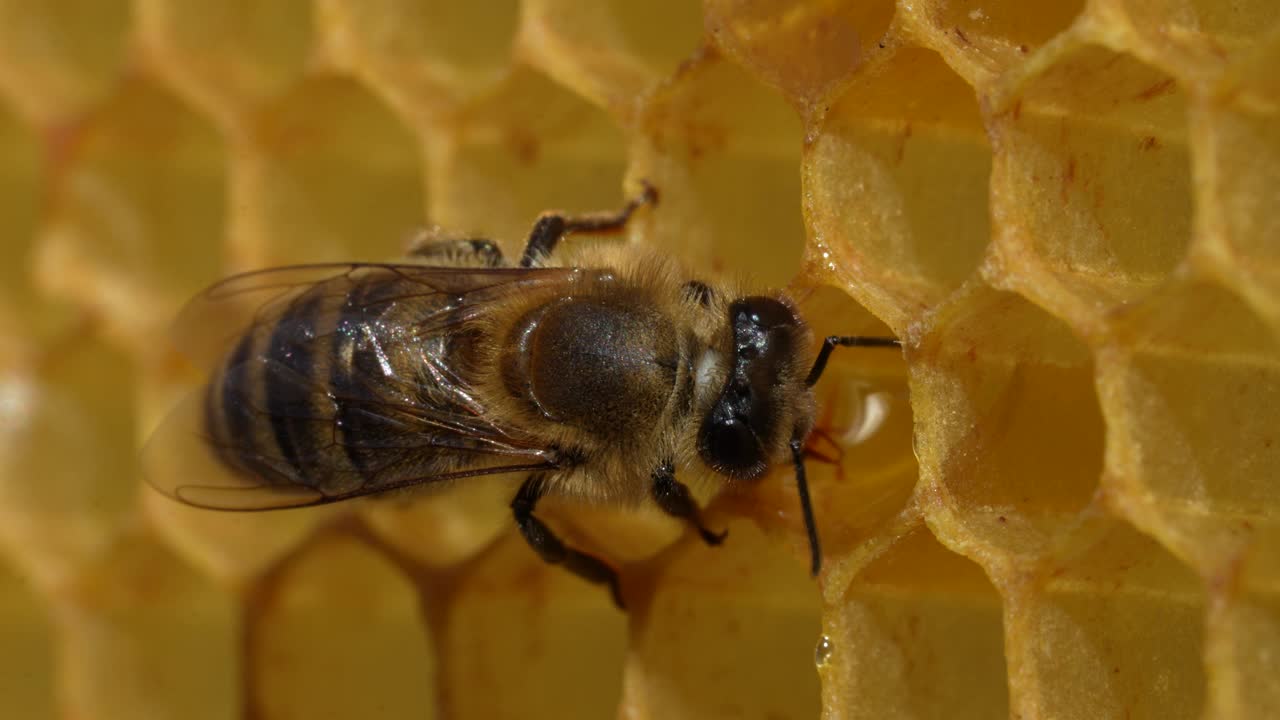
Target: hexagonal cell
(918, 634)
(136, 214)
(529, 148)
(1116, 631)
(805, 50)
(67, 469)
(27, 665)
(442, 529)
(725, 632)
(896, 186)
(1237, 154)
(324, 173)
(609, 52)
(524, 639)
(339, 633)
(144, 637)
(225, 57)
(57, 59)
(984, 39)
(1197, 37)
(1091, 184)
(1011, 451)
(722, 150)
(19, 193)
(1190, 393)
(424, 57)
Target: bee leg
(551, 549)
(435, 245)
(551, 227)
(674, 499)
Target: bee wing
(212, 322)
(294, 446)
(181, 461)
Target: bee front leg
(551, 549)
(674, 499)
(551, 227)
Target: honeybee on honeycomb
(595, 378)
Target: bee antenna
(832, 341)
(802, 486)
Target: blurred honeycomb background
(1065, 503)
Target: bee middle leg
(551, 549)
(674, 499)
(551, 227)
(434, 245)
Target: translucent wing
(333, 382)
(210, 324)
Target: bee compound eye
(731, 448)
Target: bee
(602, 378)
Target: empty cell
(27, 663)
(225, 57)
(136, 214)
(1013, 438)
(1138, 99)
(896, 185)
(424, 56)
(1253, 82)
(805, 50)
(324, 173)
(19, 178)
(441, 529)
(986, 37)
(1116, 631)
(725, 632)
(143, 636)
(723, 149)
(338, 633)
(68, 474)
(1091, 181)
(1199, 35)
(918, 634)
(524, 639)
(59, 58)
(532, 147)
(1194, 402)
(610, 52)
(1238, 155)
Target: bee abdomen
(297, 413)
(371, 383)
(265, 415)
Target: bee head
(765, 401)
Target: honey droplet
(822, 653)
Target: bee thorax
(603, 366)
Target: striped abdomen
(353, 383)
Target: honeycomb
(1062, 501)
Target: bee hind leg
(551, 549)
(550, 228)
(434, 245)
(674, 499)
